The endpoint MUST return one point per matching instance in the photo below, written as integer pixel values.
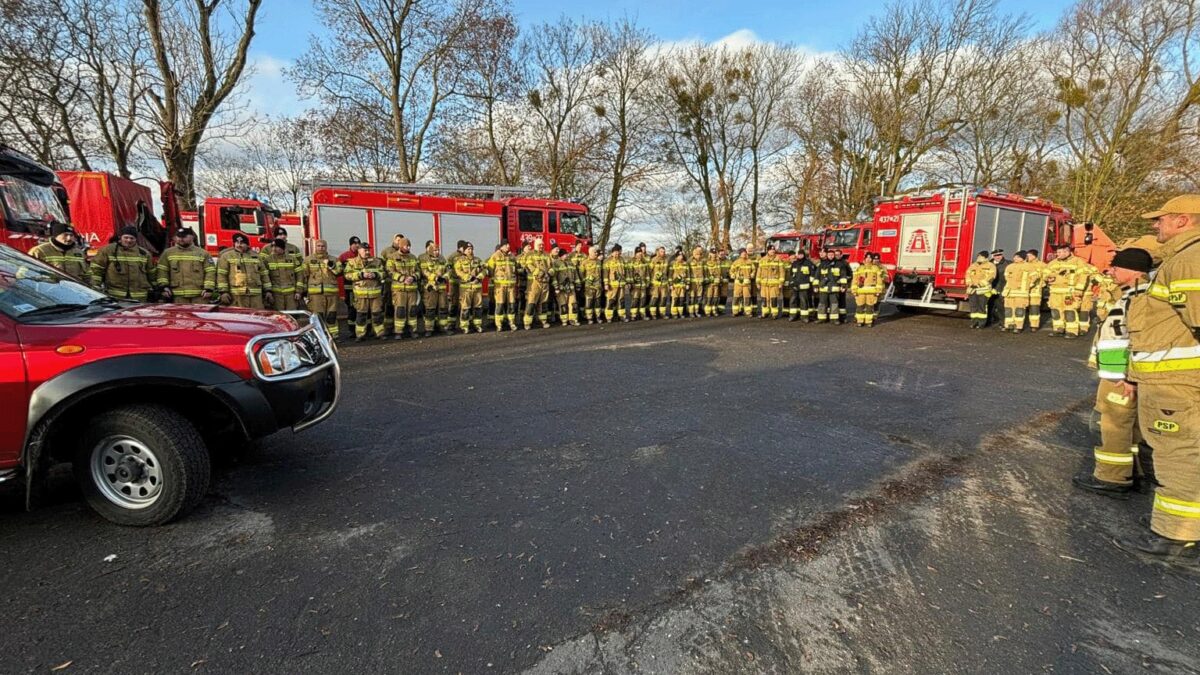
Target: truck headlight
(279, 357)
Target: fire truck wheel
(141, 465)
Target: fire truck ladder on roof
(497, 191)
(951, 231)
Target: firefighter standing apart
(321, 272)
(123, 269)
(979, 288)
(367, 274)
(1165, 367)
(62, 253)
(1116, 399)
(186, 273)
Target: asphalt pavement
(571, 499)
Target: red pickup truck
(134, 395)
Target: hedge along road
(490, 501)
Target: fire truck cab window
(529, 221)
(784, 246)
(552, 219)
(866, 238)
(843, 238)
(235, 217)
(573, 223)
(1065, 232)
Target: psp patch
(1166, 426)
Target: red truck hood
(162, 326)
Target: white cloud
(739, 39)
(268, 90)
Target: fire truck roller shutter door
(416, 225)
(985, 229)
(339, 223)
(918, 241)
(1033, 232)
(482, 231)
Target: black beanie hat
(130, 230)
(58, 227)
(1135, 259)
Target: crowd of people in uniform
(1147, 306)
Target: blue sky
(818, 26)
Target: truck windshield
(28, 287)
(28, 205)
(785, 246)
(573, 223)
(842, 238)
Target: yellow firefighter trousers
(1119, 436)
(743, 300)
(1169, 417)
(325, 305)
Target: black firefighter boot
(1088, 481)
(1181, 555)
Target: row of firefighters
(1010, 292)
(591, 287)
(448, 291)
(1147, 353)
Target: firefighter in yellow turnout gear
(63, 253)
(695, 282)
(502, 268)
(321, 271)
(712, 283)
(367, 273)
(404, 270)
(979, 288)
(616, 285)
(565, 281)
(242, 278)
(869, 281)
(287, 276)
(741, 272)
(660, 284)
(591, 272)
(1019, 279)
(435, 272)
(537, 279)
(680, 275)
(123, 269)
(1036, 291)
(470, 271)
(639, 284)
(1116, 399)
(1067, 277)
(186, 273)
(770, 276)
(1165, 365)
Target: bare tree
(565, 63)
(703, 130)
(198, 63)
(398, 60)
(624, 108)
(766, 75)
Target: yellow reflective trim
(1166, 425)
(1159, 291)
(1166, 366)
(1113, 458)
(1185, 285)
(1177, 507)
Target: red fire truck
(788, 243)
(483, 215)
(930, 238)
(219, 218)
(31, 197)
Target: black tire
(173, 447)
